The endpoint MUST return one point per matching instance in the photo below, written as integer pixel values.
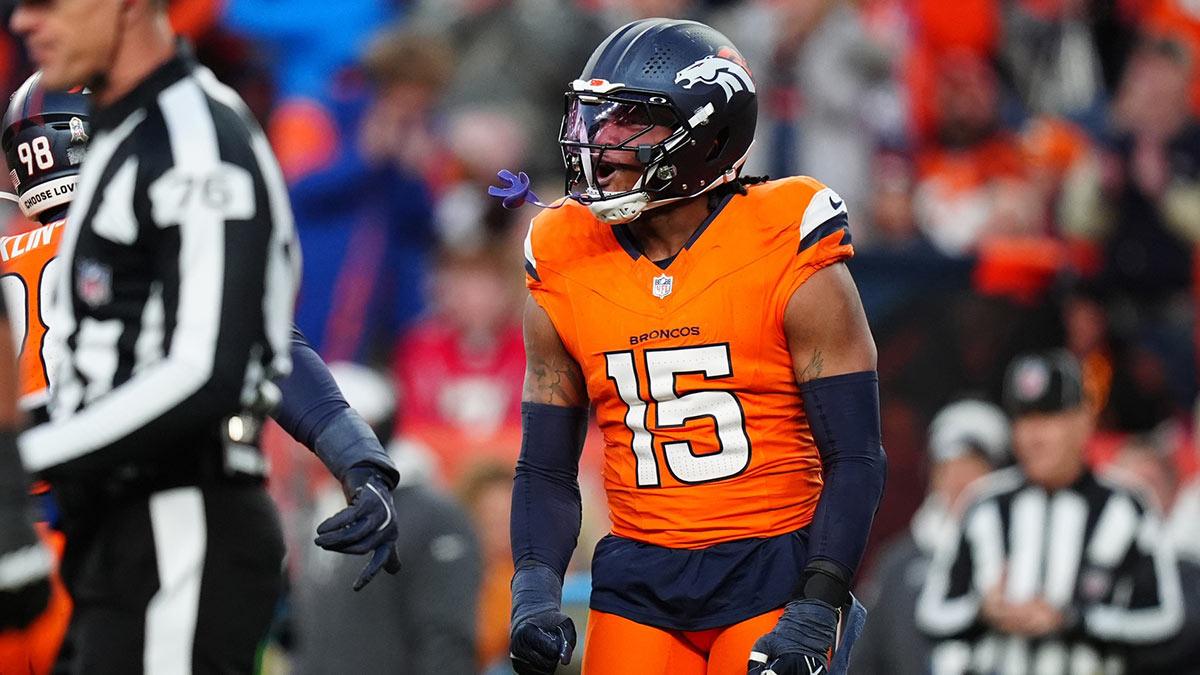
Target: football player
(711, 321)
(45, 136)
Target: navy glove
(800, 642)
(367, 525)
(542, 636)
(25, 566)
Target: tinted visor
(612, 130)
(613, 122)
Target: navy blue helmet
(680, 75)
(44, 139)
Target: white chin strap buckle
(620, 209)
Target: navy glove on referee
(367, 525)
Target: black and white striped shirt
(176, 304)
(1092, 550)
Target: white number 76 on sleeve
(673, 410)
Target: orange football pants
(615, 645)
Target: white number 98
(36, 152)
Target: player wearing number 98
(711, 321)
(45, 137)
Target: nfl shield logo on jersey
(662, 286)
(93, 282)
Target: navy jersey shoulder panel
(834, 224)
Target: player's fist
(20, 606)
(800, 642)
(541, 642)
(788, 664)
(24, 583)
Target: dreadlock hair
(738, 186)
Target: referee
(1052, 570)
(179, 274)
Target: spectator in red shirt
(463, 366)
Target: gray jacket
(422, 620)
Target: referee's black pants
(179, 581)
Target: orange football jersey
(688, 368)
(26, 260)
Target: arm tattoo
(813, 370)
(554, 382)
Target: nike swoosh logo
(836, 206)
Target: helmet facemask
(605, 132)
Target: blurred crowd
(1020, 174)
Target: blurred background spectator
(463, 365)
(1143, 207)
(359, 196)
(967, 440)
(486, 492)
(428, 613)
(972, 180)
(1021, 174)
(514, 57)
(1051, 569)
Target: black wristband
(825, 581)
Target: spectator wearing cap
(967, 439)
(1051, 569)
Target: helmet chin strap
(626, 208)
(622, 209)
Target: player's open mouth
(607, 171)
(604, 172)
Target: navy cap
(1046, 382)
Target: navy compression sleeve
(314, 412)
(843, 411)
(546, 506)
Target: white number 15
(674, 410)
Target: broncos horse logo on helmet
(680, 75)
(730, 76)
